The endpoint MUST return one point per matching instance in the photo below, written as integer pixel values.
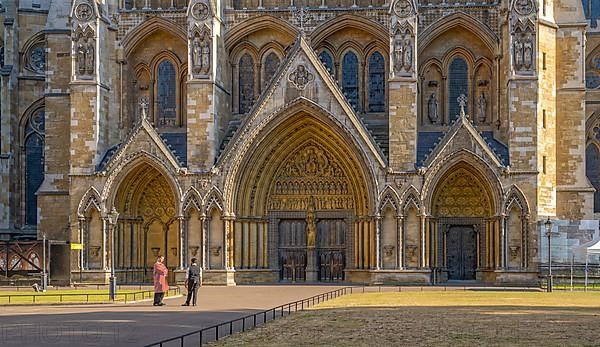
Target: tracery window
(592, 165)
(592, 75)
(36, 58)
(326, 60)
(376, 83)
(458, 84)
(271, 65)
(592, 10)
(350, 79)
(167, 94)
(33, 163)
(246, 83)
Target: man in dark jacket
(193, 277)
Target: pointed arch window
(167, 94)
(350, 79)
(592, 155)
(458, 83)
(271, 65)
(246, 83)
(376, 83)
(34, 163)
(326, 59)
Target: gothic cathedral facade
(367, 141)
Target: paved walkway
(141, 323)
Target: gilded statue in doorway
(311, 224)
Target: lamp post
(113, 216)
(548, 225)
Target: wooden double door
(329, 253)
(461, 252)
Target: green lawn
(457, 318)
(69, 296)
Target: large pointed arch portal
(301, 201)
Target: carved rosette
(301, 77)
(523, 16)
(200, 42)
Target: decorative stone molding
(200, 41)
(403, 38)
(523, 18)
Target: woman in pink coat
(160, 281)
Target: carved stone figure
(85, 54)
(89, 58)
(398, 52)
(408, 53)
(518, 53)
(81, 51)
(205, 55)
(196, 54)
(432, 108)
(481, 108)
(311, 224)
(144, 107)
(524, 7)
(528, 54)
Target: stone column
(204, 242)
(182, 250)
(423, 220)
(400, 242)
(378, 242)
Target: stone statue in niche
(523, 54)
(432, 108)
(398, 51)
(201, 53)
(408, 55)
(528, 54)
(481, 108)
(85, 54)
(89, 58)
(403, 51)
(196, 54)
(518, 53)
(205, 56)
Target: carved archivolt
(311, 172)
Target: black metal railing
(242, 324)
(81, 297)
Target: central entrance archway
(463, 204)
(307, 185)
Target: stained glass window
(167, 86)
(376, 83)
(34, 164)
(350, 78)
(246, 82)
(592, 169)
(458, 84)
(327, 60)
(270, 67)
(592, 80)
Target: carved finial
(144, 107)
(462, 102)
(302, 16)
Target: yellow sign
(77, 246)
